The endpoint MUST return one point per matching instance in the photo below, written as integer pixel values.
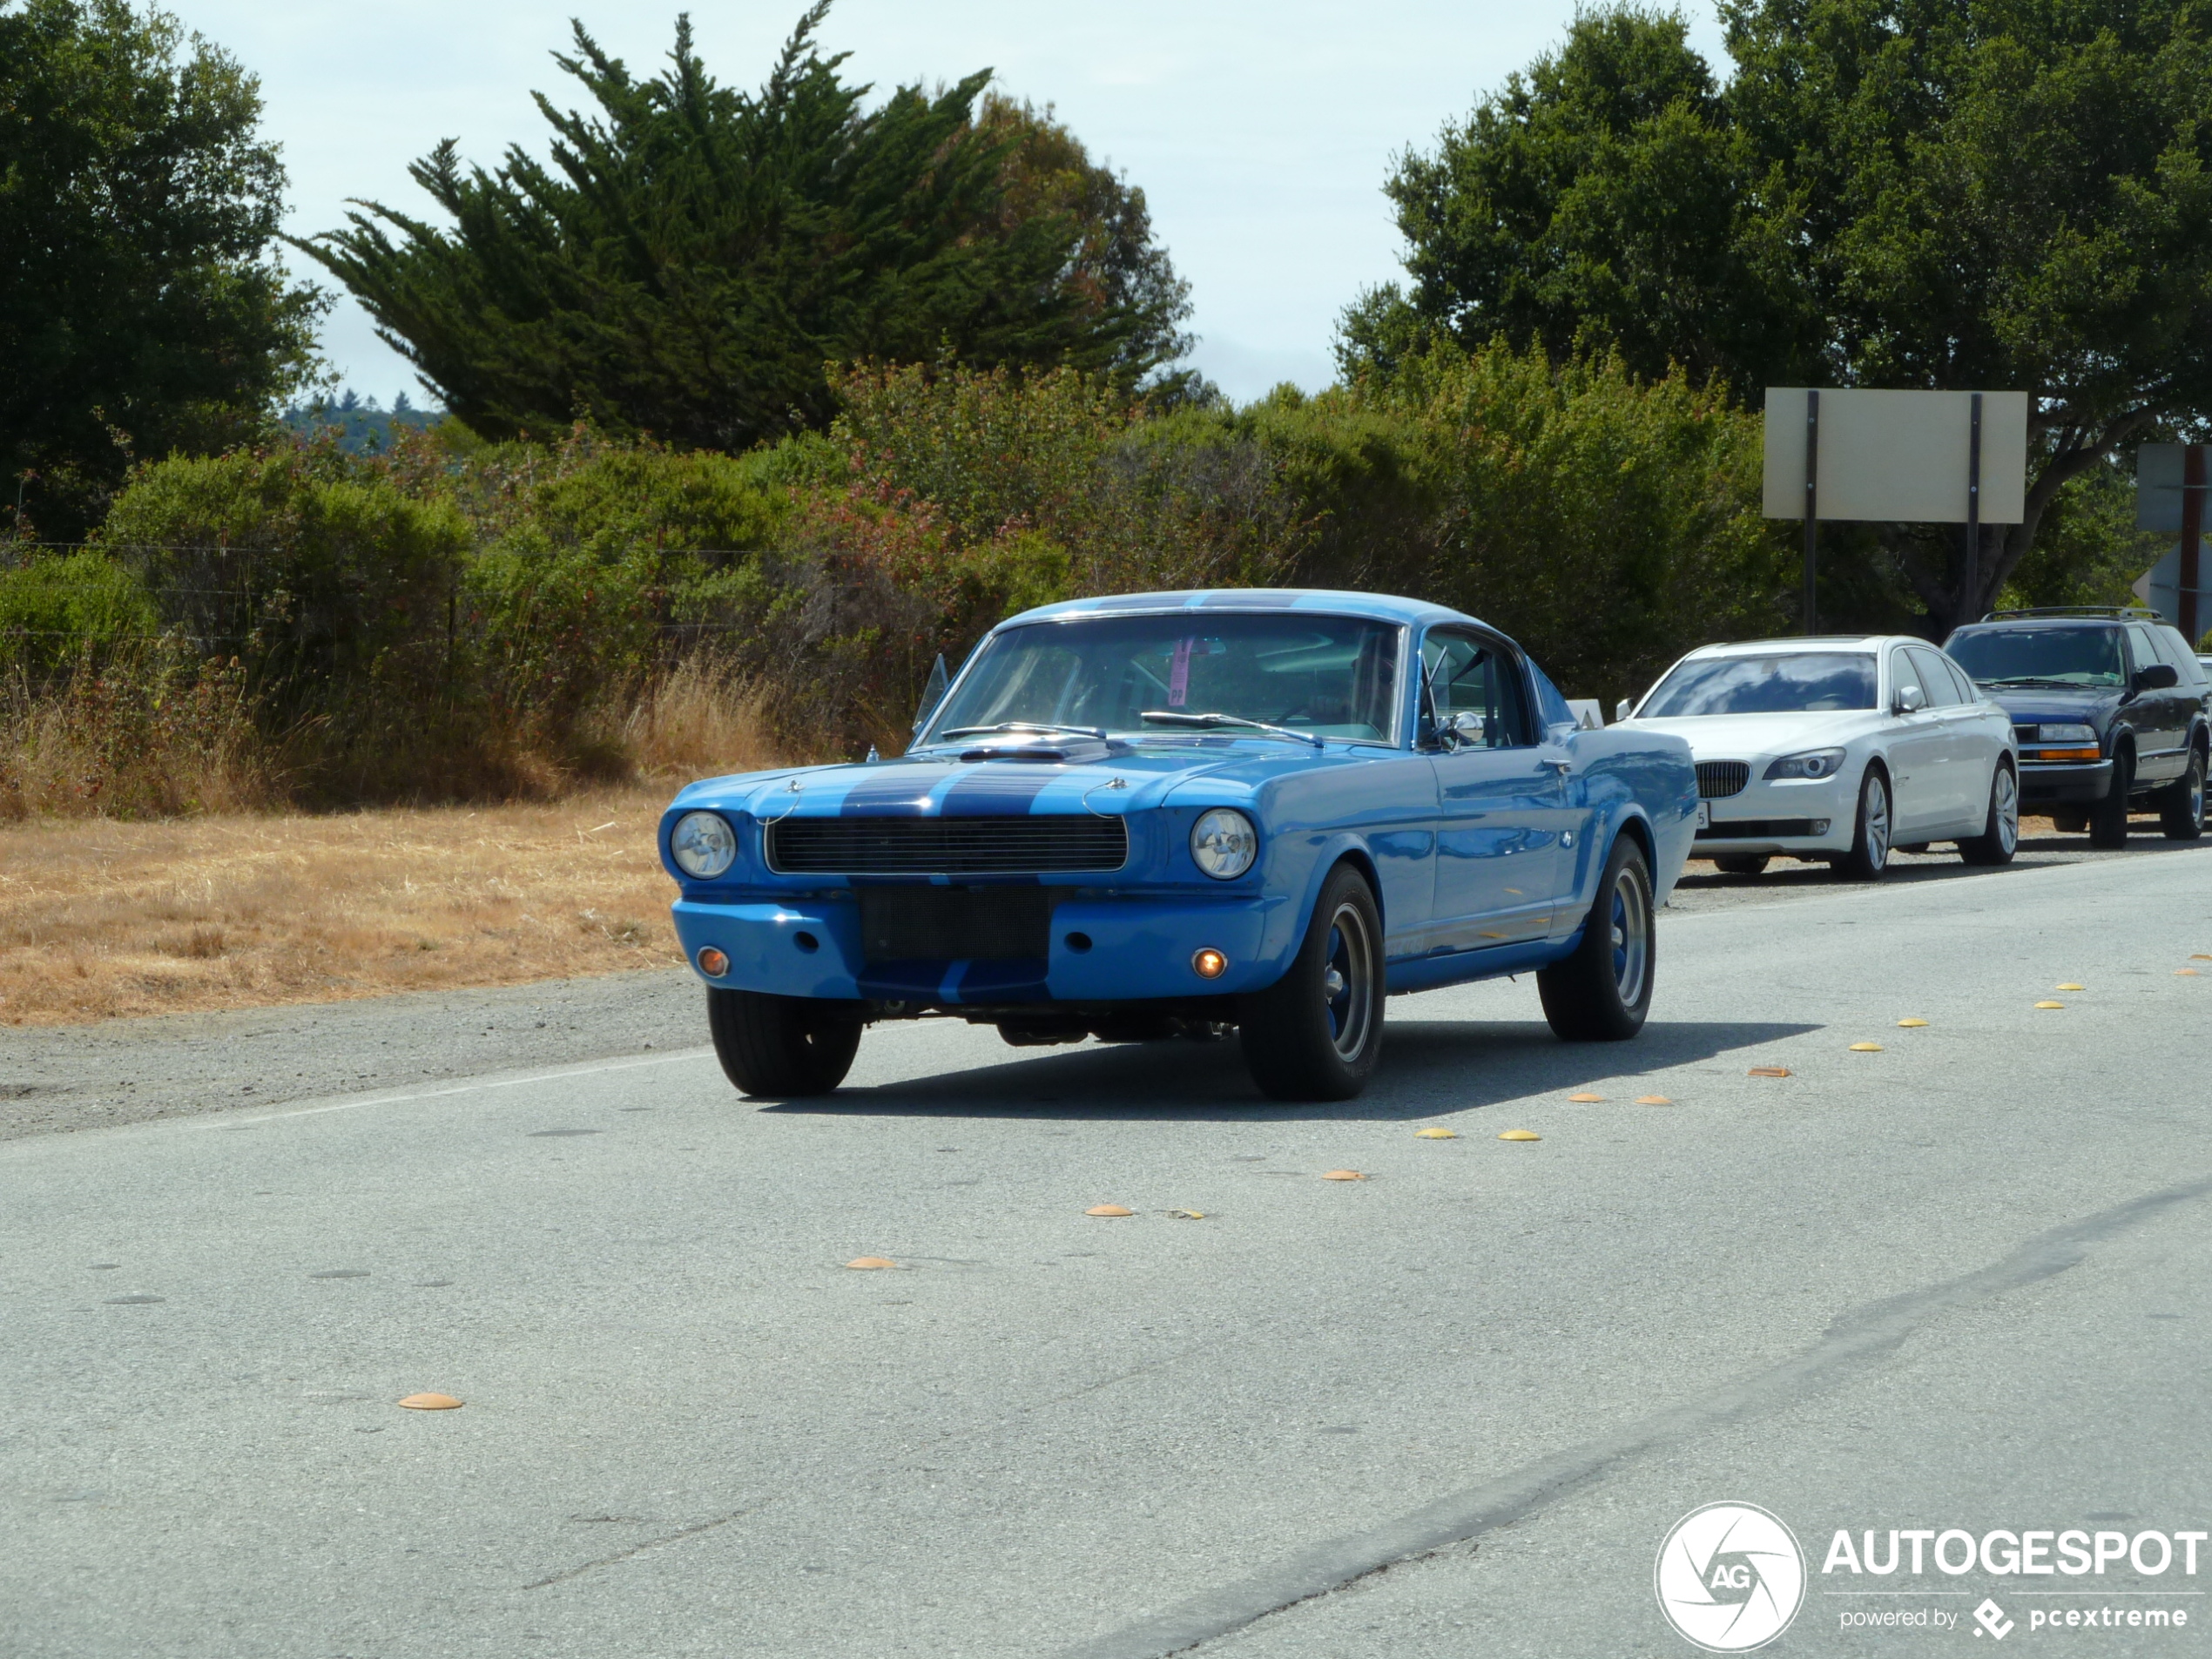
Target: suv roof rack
(2114, 613)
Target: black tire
(1869, 843)
(1740, 863)
(1317, 1032)
(1601, 992)
(2109, 818)
(788, 1047)
(2069, 823)
(2180, 804)
(2001, 831)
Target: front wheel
(783, 1046)
(2000, 832)
(1603, 990)
(1316, 1033)
(1869, 843)
(2109, 818)
(2181, 808)
(1740, 863)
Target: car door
(2155, 715)
(1501, 796)
(1912, 741)
(1960, 787)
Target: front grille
(956, 924)
(1719, 778)
(1044, 843)
(1758, 829)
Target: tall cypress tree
(693, 255)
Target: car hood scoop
(1053, 751)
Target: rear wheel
(2001, 835)
(783, 1046)
(1870, 845)
(2181, 807)
(2109, 818)
(1740, 863)
(1317, 1032)
(1601, 992)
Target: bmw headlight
(703, 845)
(1814, 763)
(2066, 733)
(1224, 843)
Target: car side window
(1935, 678)
(1903, 675)
(2141, 648)
(2174, 649)
(1476, 678)
(1968, 692)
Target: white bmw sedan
(1841, 750)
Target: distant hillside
(363, 425)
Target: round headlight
(1224, 843)
(703, 845)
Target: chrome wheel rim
(1348, 981)
(2196, 793)
(1875, 821)
(1629, 916)
(2008, 810)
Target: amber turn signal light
(1210, 964)
(713, 963)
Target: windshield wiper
(2035, 679)
(1042, 728)
(1176, 717)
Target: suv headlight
(2071, 732)
(1814, 763)
(1224, 843)
(703, 844)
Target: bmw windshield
(2040, 656)
(1804, 682)
(1312, 675)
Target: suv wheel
(1316, 1033)
(1869, 842)
(2000, 833)
(1601, 993)
(2180, 806)
(1740, 863)
(2109, 818)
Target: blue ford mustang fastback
(1163, 815)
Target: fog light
(1210, 964)
(713, 963)
(1820, 827)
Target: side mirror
(2158, 677)
(1911, 700)
(1465, 730)
(1624, 710)
(933, 694)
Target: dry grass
(100, 919)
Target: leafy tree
(138, 307)
(1886, 192)
(692, 255)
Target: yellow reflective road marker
(869, 1263)
(1867, 1047)
(1342, 1174)
(1653, 1100)
(1767, 1071)
(430, 1403)
(1911, 1025)
(1108, 1210)
(1585, 1100)
(1521, 1135)
(2069, 986)
(1436, 1135)
(2050, 1005)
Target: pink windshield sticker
(1179, 674)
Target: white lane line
(462, 1088)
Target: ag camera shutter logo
(1729, 1577)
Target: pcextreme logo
(1729, 1577)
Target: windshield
(1797, 682)
(2046, 656)
(1327, 676)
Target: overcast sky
(1261, 130)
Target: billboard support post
(1813, 511)
(1971, 585)
(2192, 529)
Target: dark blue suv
(2110, 708)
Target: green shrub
(57, 611)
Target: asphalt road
(1449, 1409)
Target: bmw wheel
(1869, 842)
(1316, 1033)
(1601, 992)
(2001, 835)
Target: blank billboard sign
(1899, 456)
